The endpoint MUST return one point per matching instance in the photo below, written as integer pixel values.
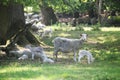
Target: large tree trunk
(48, 15)
(12, 26)
(11, 21)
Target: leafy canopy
(68, 5)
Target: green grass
(104, 44)
(29, 70)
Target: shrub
(96, 27)
(79, 28)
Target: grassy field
(104, 44)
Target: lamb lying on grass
(23, 57)
(66, 45)
(20, 52)
(32, 52)
(83, 53)
(39, 52)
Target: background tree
(47, 13)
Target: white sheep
(20, 52)
(39, 52)
(36, 26)
(66, 45)
(35, 51)
(23, 57)
(47, 32)
(83, 53)
(32, 52)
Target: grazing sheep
(66, 45)
(83, 53)
(47, 32)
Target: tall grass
(104, 44)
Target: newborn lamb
(83, 53)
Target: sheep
(83, 53)
(47, 32)
(66, 45)
(37, 26)
(20, 52)
(33, 52)
(39, 52)
(48, 60)
(23, 57)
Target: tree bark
(48, 15)
(99, 11)
(11, 21)
(12, 25)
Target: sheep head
(83, 37)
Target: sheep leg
(33, 55)
(79, 58)
(55, 54)
(88, 57)
(74, 56)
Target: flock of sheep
(36, 25)
(61, 44)
(64, 45)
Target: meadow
(104, 44)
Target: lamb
(32, 52)
(23, 57)
(83, 53)
(35, 51)
(66, 45)
(39, 52)
(47, 32)
(21, 52)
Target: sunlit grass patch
(64, 34)
(110, 29)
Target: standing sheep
(66, 45)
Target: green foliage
(68, 5)
(112, 4)
(96, 27)
(79, 28)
